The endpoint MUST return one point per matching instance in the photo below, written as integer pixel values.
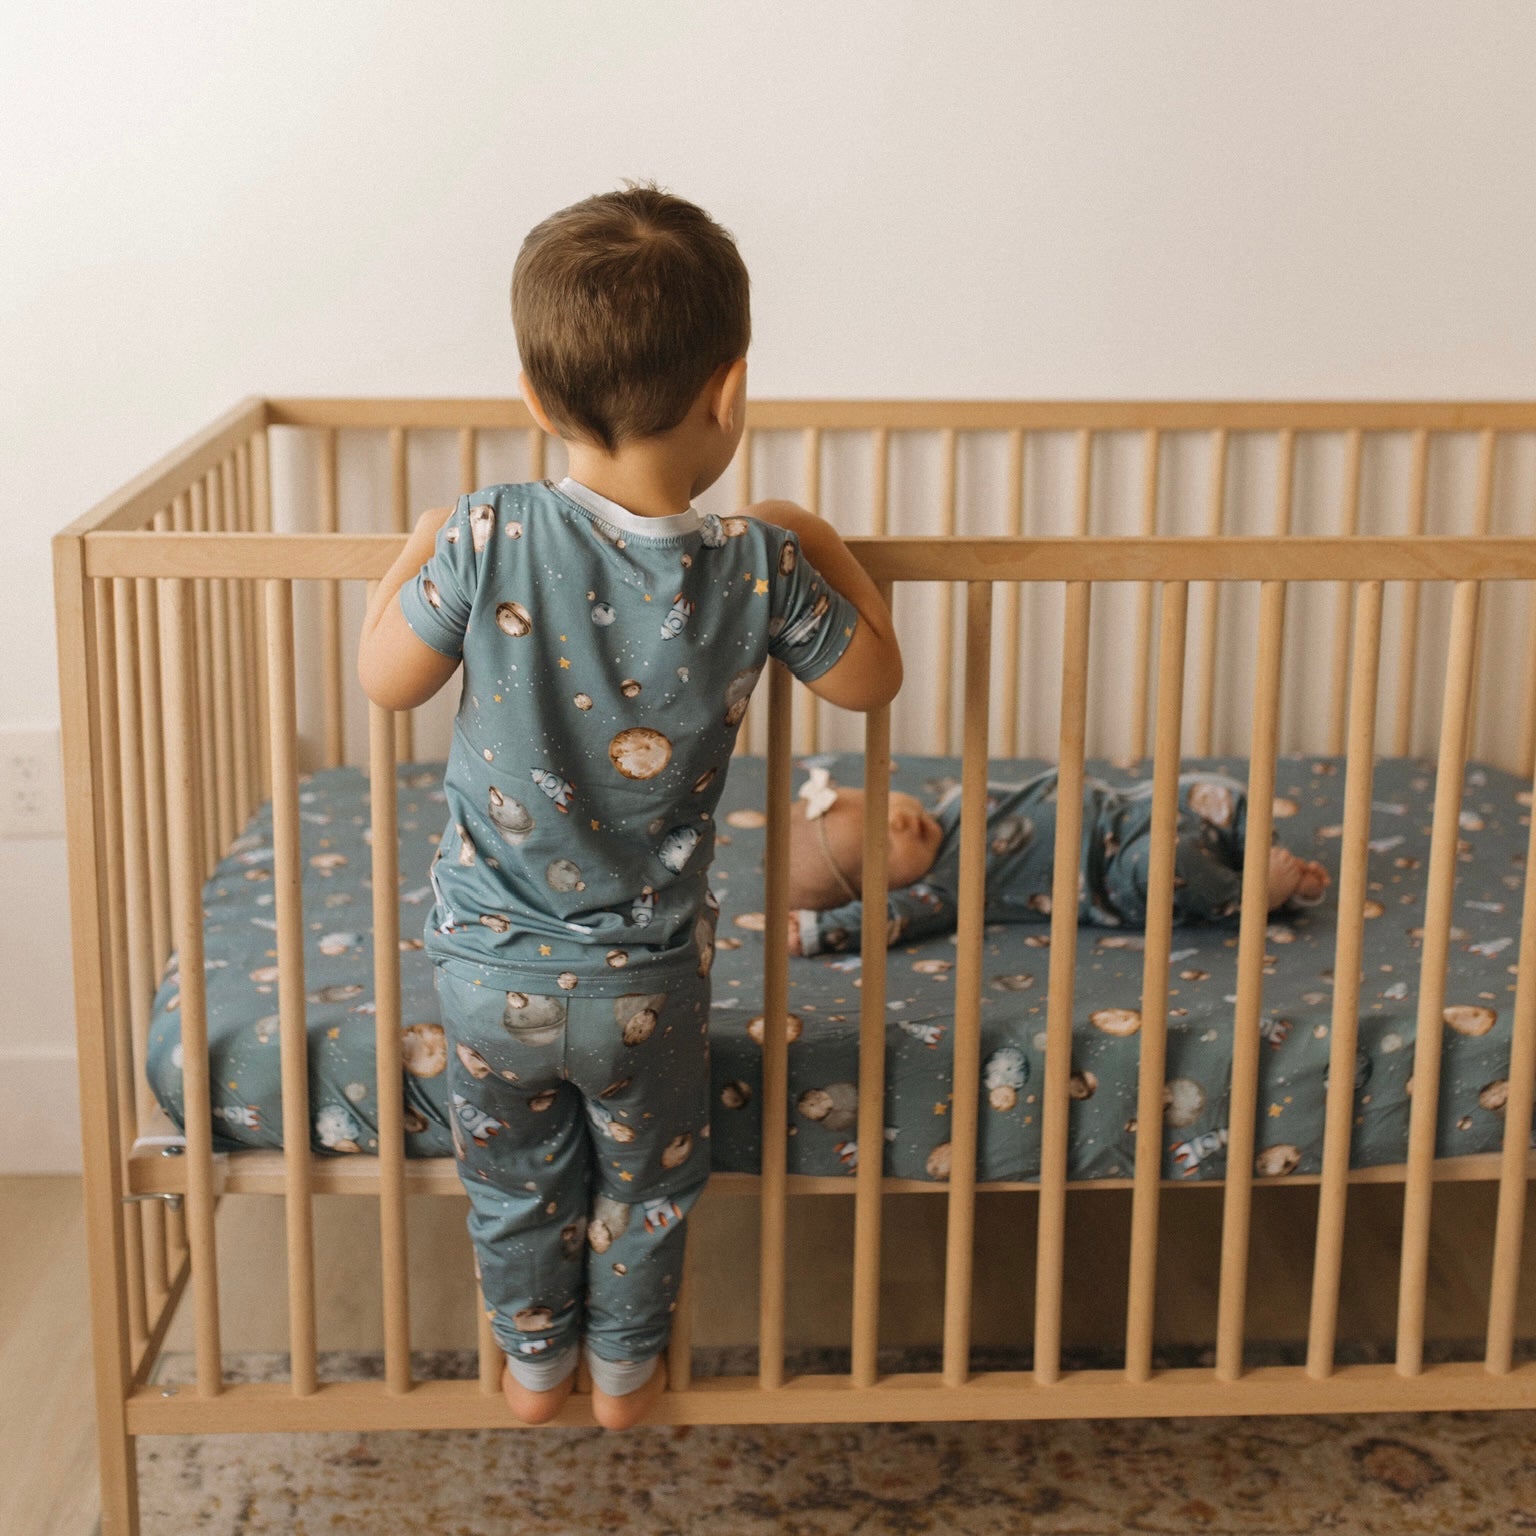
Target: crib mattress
(240, 964)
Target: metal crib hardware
(172, 1201)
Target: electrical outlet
(31, 784)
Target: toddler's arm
(398, 669)
(868, 673)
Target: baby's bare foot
(1291, 878)
(534, 1407)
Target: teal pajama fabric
(607, 663)
(581, 1129)
(1115, 862)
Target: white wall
(1190, 197)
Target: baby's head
(632, 319)
(826, 853)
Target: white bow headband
(820, 794)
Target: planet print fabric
(821, 1102)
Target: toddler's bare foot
(627, 1411)
(1303, 880)
(534, 1407)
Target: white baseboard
(39, 1112)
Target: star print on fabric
(595, 826)
(647, 597)
(760, 588)
(1275, 1111)
(627, 1176)
(746, 576)
(544, 949)
(565, 663)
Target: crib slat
(680, 1342)
(183, 782)
(1408, 640)
(293, 1043)
(1140, 699)
(1487, 449)
(965, 1085)
(1141, 1302)
(882, 474)
(1055, 1094)
(492, 1360)
(139, 903)
(945, 666)
(1285, 482)
(809, 734)
(243, 593)
(744, 498)
(1419, 1183)
(1349, 526)
(775, 1135)
(261, 522)
(330, 609)
(868, 1210)
(1013, 598)
(201, 674)
(220, 725)
(384, 850)
(1528, 727)
(1328, 1256)
(469, 455)
(1509, 1229)
(153, 734)
(1215, 520)
(400, 521)
(108, 684)
(1237, 1196)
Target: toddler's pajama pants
(581, 1129)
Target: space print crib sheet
(821, 1107)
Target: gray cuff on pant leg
(617, 1377)
(538, 1373)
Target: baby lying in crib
(826, 844)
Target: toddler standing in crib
(610, 636)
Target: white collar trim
(621, 517)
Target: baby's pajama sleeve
(913, 912)
(438, 600)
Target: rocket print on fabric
(643, 909)
(677, 616)
(561, 791)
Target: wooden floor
(47, 1469)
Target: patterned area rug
(1378, 1475)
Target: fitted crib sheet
(241, 973)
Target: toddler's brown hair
(624, 304)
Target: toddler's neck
(640, 477)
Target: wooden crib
(185, 678)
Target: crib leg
(119, 1482)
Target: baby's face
(913, 837)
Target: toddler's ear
(728, 397)
(535, 407)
